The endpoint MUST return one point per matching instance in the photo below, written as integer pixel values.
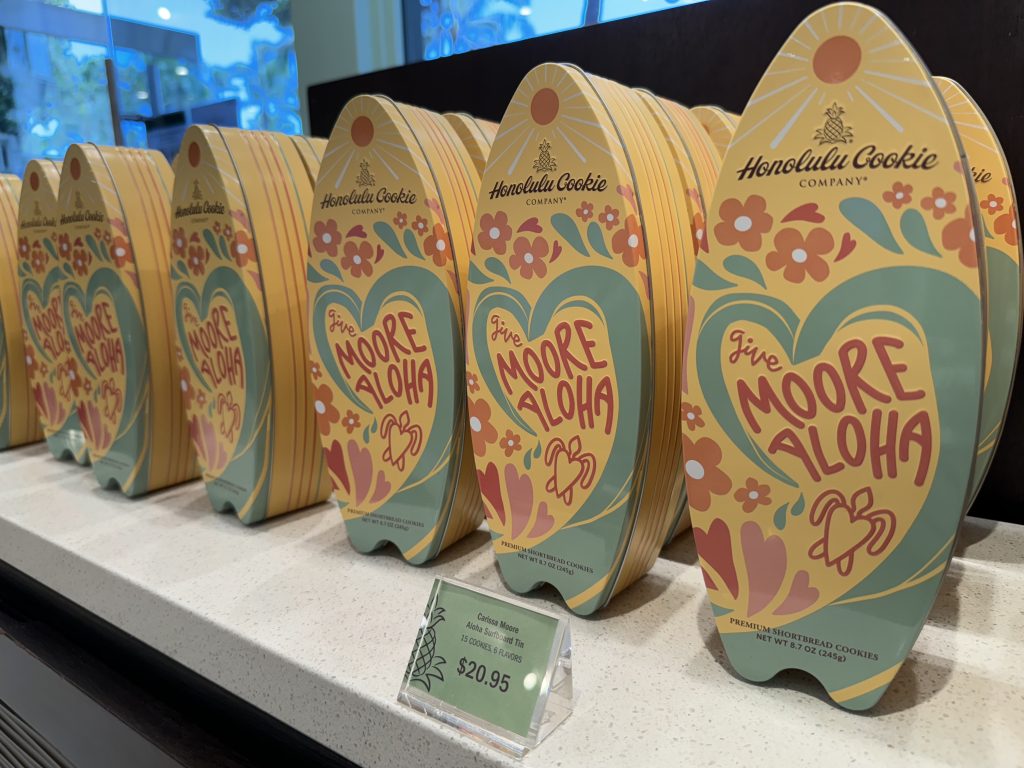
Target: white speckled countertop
(289, 617)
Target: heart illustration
(394, 366)
(766, 566)
(715, 548)
(848, 404)
(806, 212)
(222, 336)
(100, 320)
(581, 408)
(43, 310)
(801, 596)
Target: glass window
(175, 61)
(444, 27)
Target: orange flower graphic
(628, 242)
(798, 256)
(528, 257)
(899, 195)
(495, 232)
(326, 413)
(511, 443)
(326, 237)
(940, 203)
(351, 422)
(121, 251)
(959, 236)
(1006, 225)
(178, 242)
(703, 477)
(743, 223)
(992, 204)
(437, 246)
(358, 258)
(752, 495)
(585, 211)
(692, 416)
(609, 217)
(241, 248)
(480, 426)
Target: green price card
(495, 668)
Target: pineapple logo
(78, 199)
(545, 163)
(834, 132)
(423, 664)
(196, 192)
(365, 178)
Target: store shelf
(289, 617)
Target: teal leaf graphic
(596, 239)
(67, 268)
(798, 507)
(780, 517)
(373, 427)
(91, 242)
(411, 244)
(704, 277)
(915, 231)
(211, 242)
(224, 247)
(366, 435)
(866, 217)
(536, 451)
(566, 227)
(49, 247)
(478, 277)
(984, 226)
(741, 266)
(527, 460)
(497, 268)
(179, 266)
(313, 276)
(328, 266)
(387, 234)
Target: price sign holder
(495, 668)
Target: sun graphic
(204, 165)
(554, 104)
(844, 57)
(371, 142)
(975, 133)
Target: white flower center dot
(119, 251)
(799, 255)
(695, 469)
(440, 245)
(242, 248)
(700, 234)
(474, 424)
(609, 217)
(899, 195)
(184, 386)
(940, 202)
(357, 259)
(510, 443)
(327, 237)
(528, 258)
(71, 375)
(743, 223)
(632, 241)
(320, 407)
(495, 233)
(971, 235)
(691, 416)
(753, 495)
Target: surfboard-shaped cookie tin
(836, 356)
(474, 136)
(1002, 256)
(43, 269)
(19, 423)
(719, 124)
(239, 208)
(578, 292)
(389, 244)
(113, 206)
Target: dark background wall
(715, 53)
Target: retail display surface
(288, 616)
